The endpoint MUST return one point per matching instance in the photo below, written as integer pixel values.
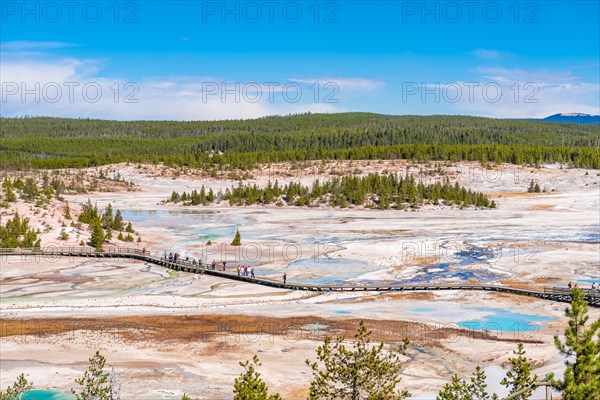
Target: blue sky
(214, 59)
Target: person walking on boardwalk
(252, 273)
(238, 270)
(213, 265)
(284, 278)
(246, 270)
(224, 265)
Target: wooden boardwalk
(561, 294)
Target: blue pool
(505, 321)
(46, 395)
(596, 280)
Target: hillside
(574, 118)
(58, 142)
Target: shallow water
(46, 395)
(506, 321)
(491, 318)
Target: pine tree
(89, 213)
(118, 221)
(365, 371)
(63, 234)
(67, 212)
(582, 347)
(211, 196)
(456, 390)
(97, 235)
(237, 240)
(249, 385)
(478, 387)
(107, 218)
(519, 377)
(95, 381)
(16, 391)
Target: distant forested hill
(574, 118)
(59, 142)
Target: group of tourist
(242, 270)
(175, 257)
(245, 271)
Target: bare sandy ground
(531, 240)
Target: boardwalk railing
(561, 294)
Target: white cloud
(32, 45)
(521, 93)
(489, 54)
(75, 88)
(343, 83)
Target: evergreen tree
(249, 385)
(17, 233)
(89, 213)
(365, 371)
(30, 191)
(582, 347)
(67, 211)
(237, 240)
(118, 221)
(478, 387)
(531, 186)
(97, 235)
(107, 218)
(16, 391)
(94, 382)
(455, 390)
(63, 234)
(175, 198)
(519, 377)
(458, 389)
